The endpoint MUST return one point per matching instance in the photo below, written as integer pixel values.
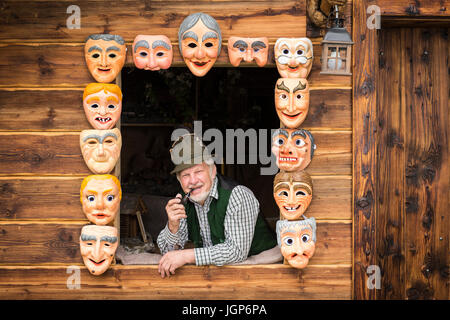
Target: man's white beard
(200, 197)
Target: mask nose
(248, 55)
(96, 253)
(151, 61)
(100, 150)
(200, 52)
(103, 60)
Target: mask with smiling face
(105, 56)
(297, 240)
(293, 148)
(293, 57)
(200, 41)
(102, 103)
(98, 245)
(100, 197)
(292, 101)
(248, 49)
(152, 52)
(101, 149)
(292, 192)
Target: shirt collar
(214, 192)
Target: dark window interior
(155, 103)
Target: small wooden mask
(200, 41)
(98, 245)
(100, 197)
(294, 57)
(293, 193)
(101, 149)
(102, 103)
(293, 148)
(297, 240)
(292, 101)
(248, 49)
(152, 52)
(105, 56)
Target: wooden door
(412, 170)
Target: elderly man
(220, 217)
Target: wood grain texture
(53, 65)
(46, 243)
(420, 8)
(190, 283)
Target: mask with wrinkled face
(248, 49)
(293, 57)
(292, 101)
(292, 192)
(297, 240)
(105, 56)
(152, 52)
(101, 149)
(98, 245)
(102, 103)
(293, 148)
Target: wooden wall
(42, 77)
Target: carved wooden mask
(292, 101)
(102, 103)
(248, 49)
(294, 57)
(152, 52)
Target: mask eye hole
(143, 54)
(288, 241)
(256, 49)
(299, 52)
(306, 237)
(279, 142)
(192, 45)
(241, 49)
(285, 51)
(91, 198)
(160, 54)
(111, 107)
(283, 194)
(96, 55)
(112, 55)
(89, 243)
(94, 106)
(110, 197)
(92, 142)
(108, 141)
(283, 96)
(299, 96)
(208, 44)
(299, 143)
(300, 193)
(107, 245)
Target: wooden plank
(59, 153)
(263, 282)
(364, 149)
(46, 243)
(40, 198)
(46, 20)
(422, 8)
(54, 64)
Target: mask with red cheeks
(293, 148)
(248, 49)
(297, 241)
(200, 41)
(98, 245)
(292, 101)
(105, 56)
(293, 193)
(152, 52)
(293, 57)
(102, 103)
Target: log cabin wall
(43, 75)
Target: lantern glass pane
(343, 52)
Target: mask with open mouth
(293, 57)
(292, 192)
(292, 101)
(102, 103)
(200, 41)
(105, 56)
(100, 197)
(297, 240)
(98, 245)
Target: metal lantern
(336, 48)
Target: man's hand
(175, 212)
(172, 260)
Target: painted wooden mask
(101, 149)
(297, 240)
(200, 41)
(293, 148)
(292, 192)
(98, 245)
(100, 197)
(292, 101)
(152, 52)
(248, 49)
(105, 56)
(102, 103)
(294, 57)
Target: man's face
(293, 57)
(198, 178)
(200, 48)
(104, 59)
(292, 101)
(297, 246)
(101, 201)
(98, 245)
(152, 52)
(292, 149)
(101, 149)
(248, 49)
(102, 109)
(293, 198)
